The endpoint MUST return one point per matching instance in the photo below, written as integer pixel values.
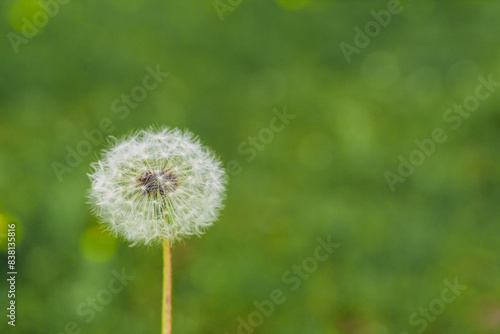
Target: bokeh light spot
(5, 221)
(21, 16)
(97, 245)
(352, 122)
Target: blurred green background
(322, 175)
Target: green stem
(166, 315)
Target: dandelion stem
(166, 315)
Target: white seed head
(157, 184)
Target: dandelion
(158, 187)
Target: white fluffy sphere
(156, 185)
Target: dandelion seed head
(157, 184)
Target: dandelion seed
(157, 185)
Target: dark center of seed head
(157, 183)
